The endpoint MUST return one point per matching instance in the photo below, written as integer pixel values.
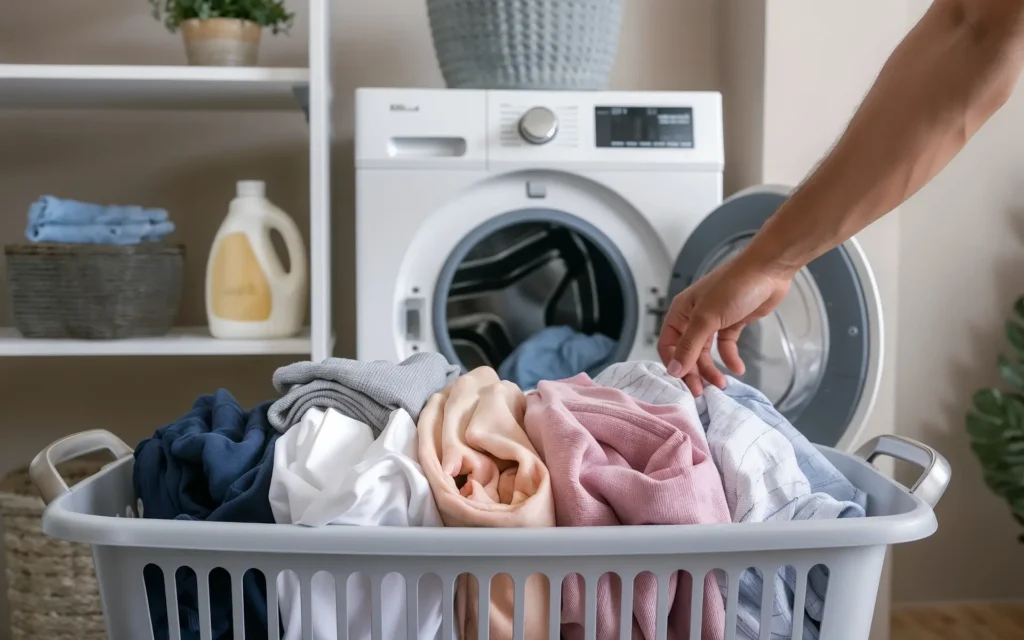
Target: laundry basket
(852, 550)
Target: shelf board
(185, 341)
(35, 86)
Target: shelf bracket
(301, 93)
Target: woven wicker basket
(51, 584)
(526, 44)
(94, 292)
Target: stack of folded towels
(55, 220)
(415, 444)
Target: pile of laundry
(57, 220)
(416, 444)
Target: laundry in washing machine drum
(536, 301)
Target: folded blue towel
(557, 353)
(214, 463)
(53, 210)
(99, 233)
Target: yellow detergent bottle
(249, 295)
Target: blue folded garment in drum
(214, 463)
(50, 210)
(557, 353)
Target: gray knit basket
(94, 292)
(51, 584)
(526, 44)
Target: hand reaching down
(724, 301)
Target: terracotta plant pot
(221, 42)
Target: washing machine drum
(526, 271)
(817, 356)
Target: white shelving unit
(36, 86)
(182, 341)
(204, 89)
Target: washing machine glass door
(817, 355)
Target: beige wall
(961, 268)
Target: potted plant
(222, 32)
(996, 423)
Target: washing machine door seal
(818, 356)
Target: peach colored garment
(617, 461)
(472, 431)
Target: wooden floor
(968, 621)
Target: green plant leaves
(996, 423)
(1011, 372)
(1015, 334)
(266, 13)
(990, 402)
(1018, 308)
(982, 428)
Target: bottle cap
(251, 189)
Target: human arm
(942, 83)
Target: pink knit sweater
(616, 461)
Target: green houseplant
(996, 423)
(222, 32)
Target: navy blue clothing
(214, 463)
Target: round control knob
(538, 125)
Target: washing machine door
(818, 356)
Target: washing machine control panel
(606, 130)
(501, 130)
(539, 125)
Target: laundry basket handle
(936, 471)
(43, 470)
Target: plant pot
(221, 42)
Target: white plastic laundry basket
(852, 549)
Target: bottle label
(240, 290)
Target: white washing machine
(483, 217)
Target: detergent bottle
(249, 295)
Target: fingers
(667, 342)
(692, 380)
(703, 367)
(729, 351)
(708, 370)
(694, 384)
(696, 337)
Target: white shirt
(328, 469)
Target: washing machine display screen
(644, 127)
